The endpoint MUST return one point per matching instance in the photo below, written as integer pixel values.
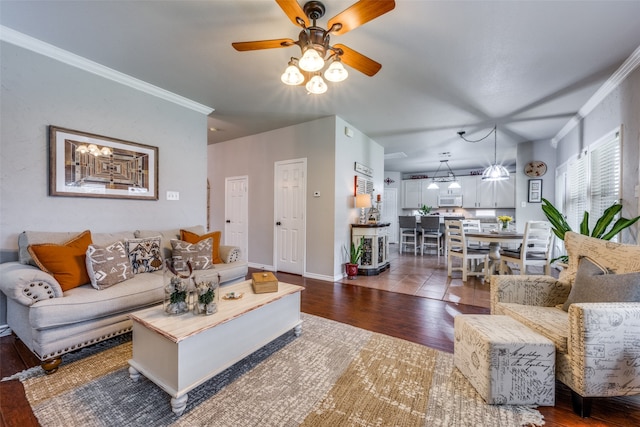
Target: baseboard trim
(5, 330)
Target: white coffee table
(178, 353)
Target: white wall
(330, 170)
(38, 91)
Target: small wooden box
(264, 282)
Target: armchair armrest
(229, 253)
(604, 348)
(543, 291)
(27, 284)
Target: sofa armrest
(229, 254)
(27, 284)
(604, 348)
(543, 291)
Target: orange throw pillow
(65, 262)
(190, 237)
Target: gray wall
(330, 170)
(38, 91)
(620, 107)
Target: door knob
(228, 221)
(278, 223)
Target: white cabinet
(477, 193)
(375, 247)
(415, 194)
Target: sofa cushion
(167, 235)
(28, 237)
(108, 265)
(551, 322)
(190, 237)
(198, 253)
(66, 262)
(145, 254)
(594, 283)
(84, 303)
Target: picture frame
(83, 164)
(535, 191)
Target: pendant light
(494, 172)
(450, 177)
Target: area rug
(332, 375)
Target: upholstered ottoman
(505, 361)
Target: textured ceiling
(447, 66)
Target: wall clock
(535, 168)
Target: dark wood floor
(421, 320)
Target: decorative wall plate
(535, 168)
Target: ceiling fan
(314, 41)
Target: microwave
(450, 200)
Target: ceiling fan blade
(360, 13)
(262, 44)
(293, 11)
(358, 61)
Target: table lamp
(363, 201)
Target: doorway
(236, 209)
(290, 213)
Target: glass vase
(505, 225)
(176, 290)
(206, 294)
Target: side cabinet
(375, 256)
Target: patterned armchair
(597, 343)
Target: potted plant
(354, 256)
(424, 210)
(600, 231)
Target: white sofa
(52, 322)
(597, 342)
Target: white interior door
(390, 212)
(236, 213)
(290, 211)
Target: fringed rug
(332, 375)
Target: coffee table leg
(178, 404)
(297, 330)
(133, 373)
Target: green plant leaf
(620, 225)
(584, 225)
(606, 219)
(557, 220)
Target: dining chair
(457, 248)
(431, 234)
(409, 233)
(473, 226)
(534, 251)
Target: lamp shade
(495, 172)
(292, 76)
(316, 85)
(363, 201)
(336, 72)
(311, 60)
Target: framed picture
(86, 165)
(535, 191)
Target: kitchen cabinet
(477, 193)
(415, 194)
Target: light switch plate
(173, 195)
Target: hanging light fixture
(316, 85)
(292, 76)
(336, 71)
(450, 177)
(494, 172)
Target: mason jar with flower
(505, 220)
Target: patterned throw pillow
(596, 284)
(108, 265)
(199, 254)
(66, 262)
(191, 237)
(145, 254)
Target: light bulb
(292, 76)
(311, 60)
(82, 149)
(454, 184)
(316, 85)
(105, 151)
(495, 173)
(336, 72)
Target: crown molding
(38, 46)
(607, 87)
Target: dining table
(495, 239)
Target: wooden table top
(179, 327)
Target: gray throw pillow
(108, 265)
(200, 254)
(595, 284)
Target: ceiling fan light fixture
(292, 75)
(316, 85)
(336, 72)
(311, 60)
